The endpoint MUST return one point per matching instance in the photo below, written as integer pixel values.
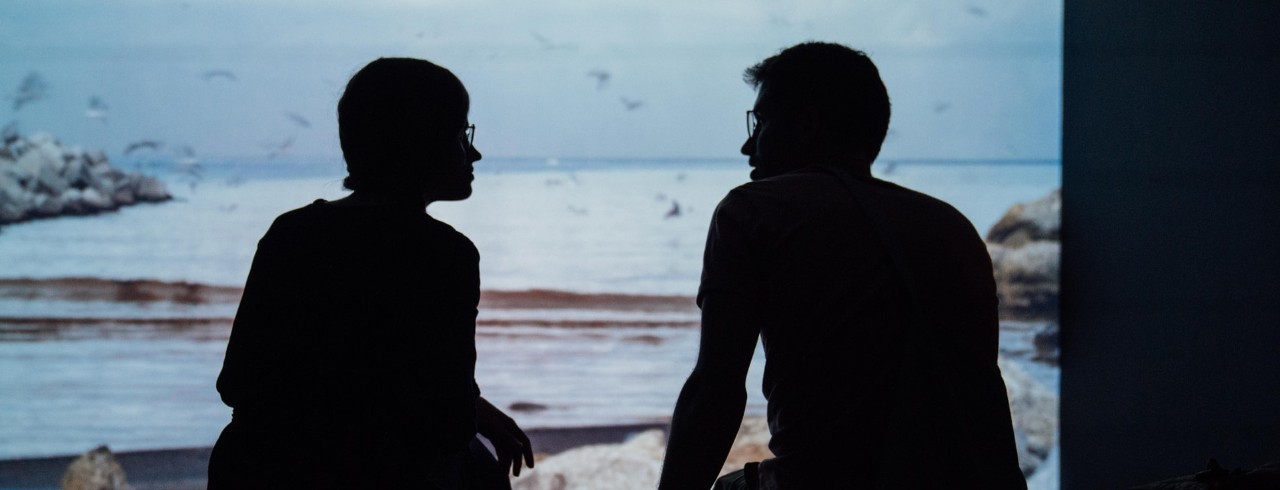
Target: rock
(94, 201)
(635, 464)
(10, 213)
(150, 189)
(39, 178)
(1047, 476)
(95, 470)
(46, 205)
(1025, 255)
(1047, 344)
(72, 201)
(1027, 222)
(1027, 279)
(1034, 408)
(123, 196)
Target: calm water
(574, 226)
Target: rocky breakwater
(1025, 252)
(40, 178)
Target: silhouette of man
(876, 306)
(351, 362)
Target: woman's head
(402, 122)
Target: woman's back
(356, 332)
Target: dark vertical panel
(1171, 226)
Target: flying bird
(277, 149)
(630, 104)
(548, 44)
(601, 76)
(97, 109)
(32, 89)
(297, 119)
(189, 165)
(941, 107)
(188, 158)
(220, 73)
(977, 11)
(142, 144)
(674, 212)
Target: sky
(978, 79)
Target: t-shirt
(357, 329)
(836, 315)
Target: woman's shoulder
(451, 235)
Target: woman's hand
(508, 440)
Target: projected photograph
(147, 146)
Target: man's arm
(709, 410)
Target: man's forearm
(703, 427)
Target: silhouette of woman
(351, 362)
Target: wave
(88, 301)
(151, 290)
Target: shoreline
(182, 468)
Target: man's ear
(809, 124)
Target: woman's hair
(390, 107)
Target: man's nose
(473, 153)
(749, 147)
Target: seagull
(977, 11)
(97, 110)
(547, 44)
(888, 168)
(280, 148)
(601, 76)
(219, 73)
(189, 165)
(941, 107)
(674, 212)
(31, 90)
(188, 158)
(137, 145)
(631, 104)
(299, 120)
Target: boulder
(39, 178)
(1027, 222)
(72, 201)
(635, 464)
(46, 206)
(1027, 279)
(151, 190)
(95, 470)
(1047, 344)
(1025, 255)
(95, 201)
(1034, 408)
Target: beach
(113, 327)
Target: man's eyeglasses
(470, 134)
(753, 123)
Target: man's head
(817, 103)
(402, 123)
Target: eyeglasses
(753, 123)
(470, 134)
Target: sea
(94, 371)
